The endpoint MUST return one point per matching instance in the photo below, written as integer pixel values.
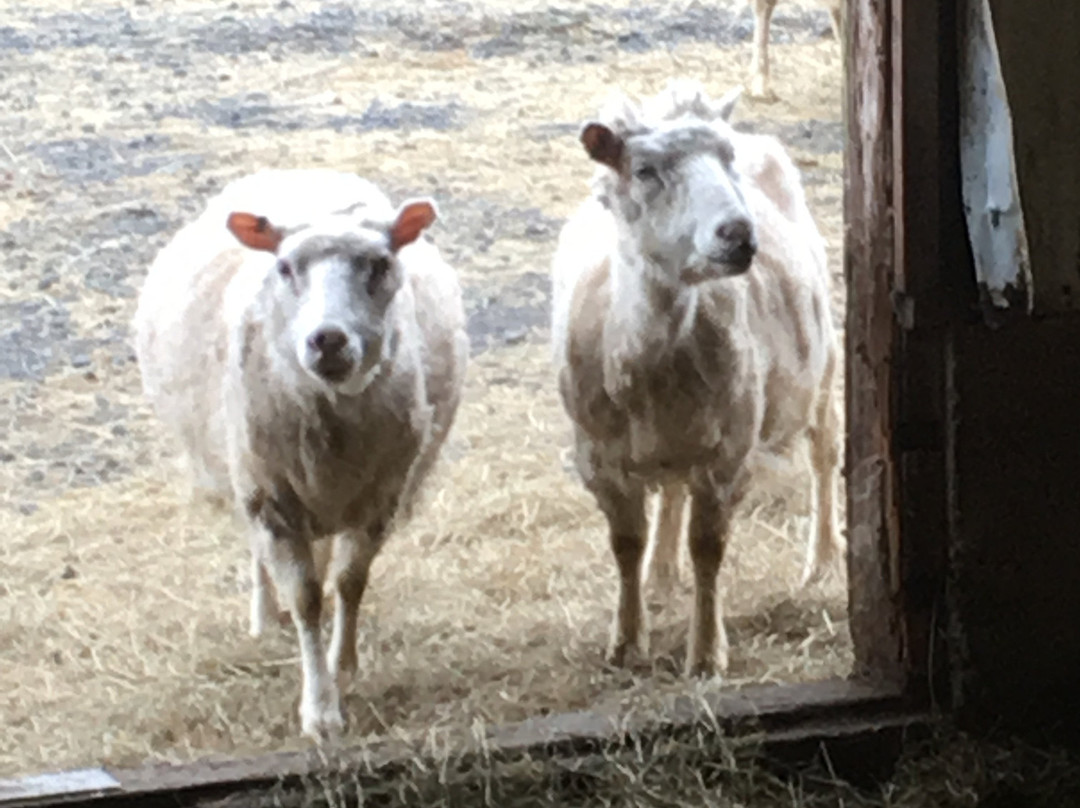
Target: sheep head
(668, 175)
(330, 290)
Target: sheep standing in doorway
(693, 342)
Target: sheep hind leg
(662, 557)
(624, 507)
(264, 602)
(759, 60)
(824, 544)
(710, 525)
(321, 554)
(353, 554)
(293, 569)
(836, 17)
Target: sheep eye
(376, 272)
(380, 266)
(284, 268)
(647, 174)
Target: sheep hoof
(665, 580)
(256, 620)
(257, 625)
(344, 666)
(627, 653)
(705, 673)
(323, 724)
(345, 679)
(809, 577)
(259, 621)
(707, 666)
(760, 91)
(815, 573)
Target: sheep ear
(603, 145)
(255, 232)
(411, 220)
(726, 105)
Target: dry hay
(123, 608)
(697, 768)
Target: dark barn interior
(978, 417)
(1015, 445)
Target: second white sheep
(693, 342)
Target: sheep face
(677, 197)
(332, 286)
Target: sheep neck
(653, 318)
(677, 368)
(338, 451)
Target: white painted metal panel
(991, 191)
(24, 790)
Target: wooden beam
(929, 223)
(792, 721)
(871, 336)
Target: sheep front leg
(710, 524)
(352, 557)
(624, 507)
(292, 567)
(662, 561)
(264, 603)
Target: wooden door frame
(905, 265)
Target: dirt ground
(123, 607)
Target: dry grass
(492, 604)
(123, 607)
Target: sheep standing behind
(693, 344)
(306, 344)
(760, 85)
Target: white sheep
(306, 344)
(760, 86)
(693, 343)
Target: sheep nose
(328, 341)
(736, 232)
(740, 244)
